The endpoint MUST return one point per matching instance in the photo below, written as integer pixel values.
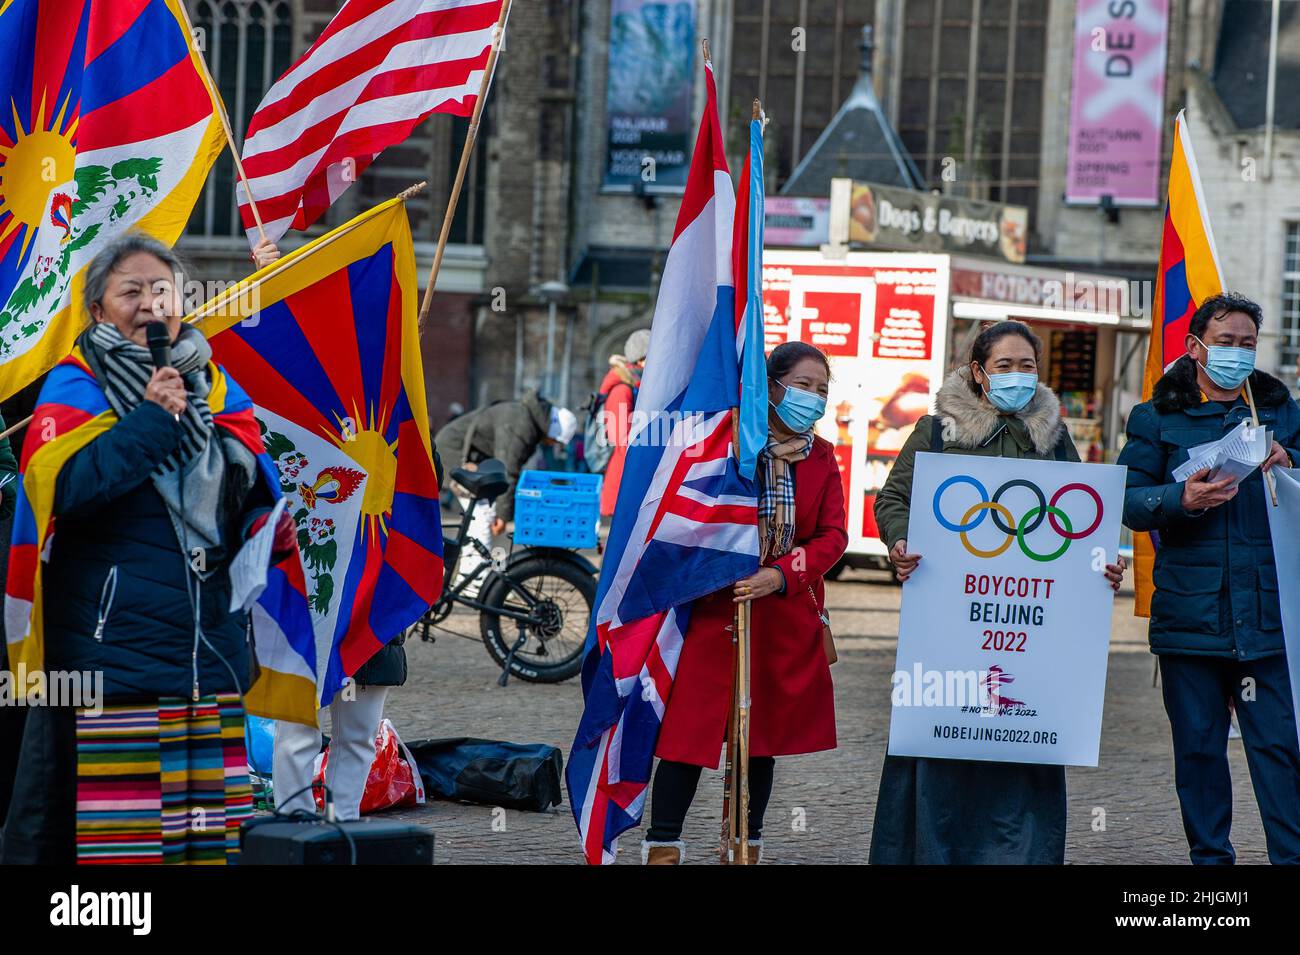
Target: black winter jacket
(1216, 586)
(115, 586)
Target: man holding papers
(1215, 618)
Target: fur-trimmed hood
(975, 420)
(1178, 390)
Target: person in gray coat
(511, 432)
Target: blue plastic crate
(557, 509)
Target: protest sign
(1282, 521)
(1005, 625)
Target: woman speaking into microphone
(149, 490)
(801, 536)
(973, 812)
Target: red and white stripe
(697, 264)
(378, 69)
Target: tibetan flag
(1188, 274)
(74, 412)
(327, 344)
(106, 124)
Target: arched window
(248, 45)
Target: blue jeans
(1196, 691)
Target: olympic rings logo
(1005, 521)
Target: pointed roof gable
(860, 143)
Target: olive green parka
(970, 425)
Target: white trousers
(353, 725)
(480, 529)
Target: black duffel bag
(514, 775)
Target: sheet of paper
(1207, 460)
(1211, 446)
(1241, 457)
(248, 569)
(1234, 456)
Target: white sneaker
(473, 588)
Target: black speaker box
(377, 841)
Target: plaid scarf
(776, 493)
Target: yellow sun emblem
(367, 447)
(39, 160)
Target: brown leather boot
(663, 853)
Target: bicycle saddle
(487, 483)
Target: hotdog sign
(1004, 629)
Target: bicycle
(547, 592)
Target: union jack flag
(685, 524)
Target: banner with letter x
(1005, 625)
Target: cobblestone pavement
(452, 691)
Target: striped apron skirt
(163, 782)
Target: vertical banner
(1004, 629)
(1117, 101)
(1188, 273)
(649, 102)
(1282, 521)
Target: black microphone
(160, 344)
(160, 347)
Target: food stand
(895, 323)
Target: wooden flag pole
(14, 427)
(742, 732)
(470, 137)
(735, 781)
(1254, 420)
(731, 776)
(201, 312)
(727, 842)
(225, 125)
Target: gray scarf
(197, 472)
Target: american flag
(377, 71)
(686, 520)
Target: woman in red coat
(802, 535)
(619, 388)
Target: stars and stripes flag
(1187, 275)
(685, 524)
(379, 68)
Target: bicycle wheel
(557, 626)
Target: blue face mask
(1011, 391)
(1228, 367)
(800, 409)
